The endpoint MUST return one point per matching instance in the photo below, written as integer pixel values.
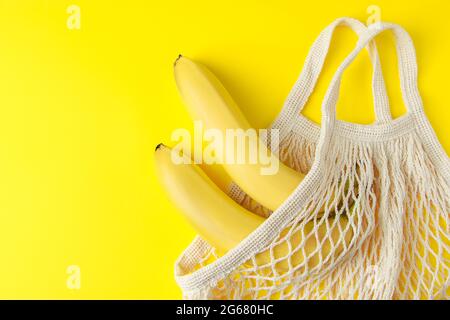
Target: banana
(224, 223)
(218, 175)
(207, 100)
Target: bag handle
(407, 64)
(312, 68)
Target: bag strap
(408, 82)
(407, 64)
(312, 68)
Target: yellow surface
(81, 112)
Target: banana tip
(178, 58)
(159, 146)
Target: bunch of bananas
(215, 216)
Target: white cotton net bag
(369, 221)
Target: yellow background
(81, 112)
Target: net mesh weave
(362, 235)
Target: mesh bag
(369, 221)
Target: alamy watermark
(374, 19)
(227, 146)
(73, 281)
(74, 18)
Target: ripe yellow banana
(224, 223)
(219, 177)
(207, 100)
